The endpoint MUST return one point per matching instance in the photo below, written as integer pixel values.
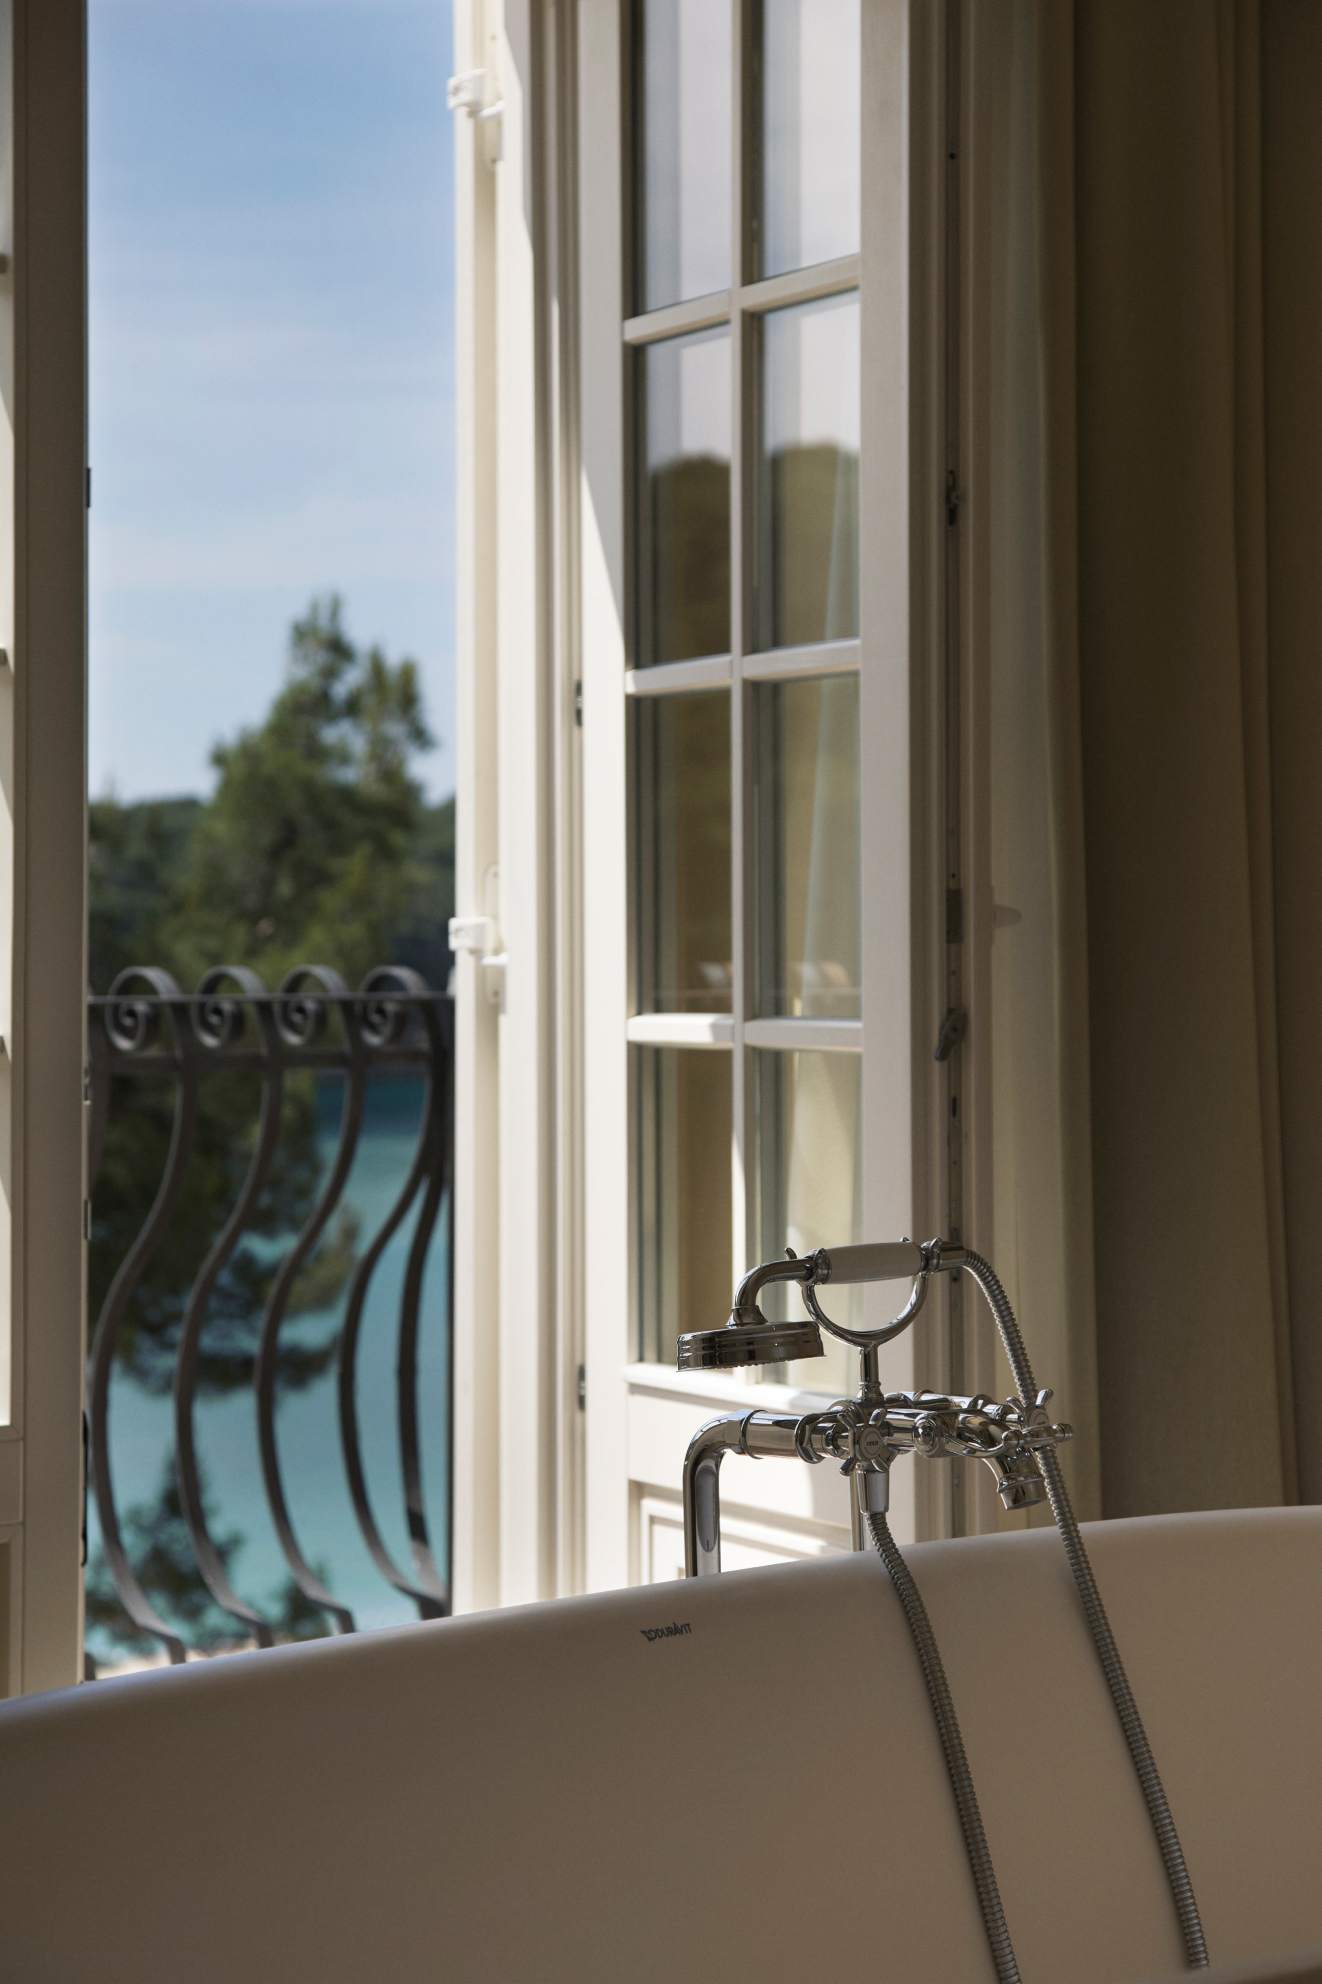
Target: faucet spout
(758, 1436)
(702, 1494)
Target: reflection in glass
(682, 810)
(808, 475)
(684, 499)
(683, 1118)
(810, 124)
(808, 840)
(809, 1175)
(684, 150)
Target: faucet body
(865, 1435)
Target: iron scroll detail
(146, 1029)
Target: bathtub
(729, 1778)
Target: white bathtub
(568, 1793)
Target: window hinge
(953, 1027)
(578, 703)
(582, 1393)
(953, 498)
(473, 92)
(954, 916)
(87, 1219)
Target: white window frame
(907, 1159)
(517, 1532)
(542, 1268)
(43, 496)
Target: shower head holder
(871, 1263)
(750, 1338)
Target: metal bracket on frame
(479, 937)
(473, 91)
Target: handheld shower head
(748, 1338)
(739, 1343)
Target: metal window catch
(476, 937)
(954, 1025)
(471, 91)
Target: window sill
(719, 1392)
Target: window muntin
(745, 1079)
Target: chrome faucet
(868, 1432)
(865, 1434)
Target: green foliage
(306, 850)
(157, 1541)
(135, 855)
(134, 1159)
(318, 845)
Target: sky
(271, 361)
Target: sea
(307, 1424)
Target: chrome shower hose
(952, 1747)
(1108, 1654)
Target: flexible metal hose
(1108, 1654)
(952, 1745)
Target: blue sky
(271, 277)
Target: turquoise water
(141, 1436)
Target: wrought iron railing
(146, 1030)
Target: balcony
(268, 1390)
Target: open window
(755, 203)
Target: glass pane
(684, 150)
(810, 1184)
(684, 525)
(807, 848)
(808, 475)
(810, 120)
(682, 808)
(684, 1118)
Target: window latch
(471, 91)
(953, 1027)
(476, 937)
(954, 497)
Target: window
(743, 650)
(760, 535)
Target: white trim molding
(474, 1522)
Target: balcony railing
(148, 1031)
